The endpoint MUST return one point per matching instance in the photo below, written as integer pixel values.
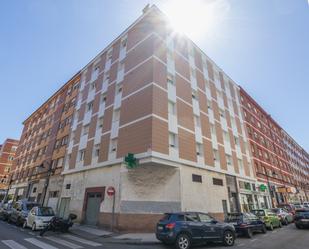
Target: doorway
(93, 208)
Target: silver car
(39, 217)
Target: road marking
(252, 240)
(63, 242)
(80, 240)
(241, 244)
(32, 233)
(40, 244)
(12, 244)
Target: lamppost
(50, 171)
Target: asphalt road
(12, 237)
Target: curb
(135, 242)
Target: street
(15, 237)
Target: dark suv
(301, 218)
(246, 223)
(20, 211)
(185, 228)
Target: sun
(195, 18)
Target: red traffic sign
(110, 191)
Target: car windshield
(302, 212)
(233, 217)
(276, 210)
(29, 206)
(45, 211)
(258, 212)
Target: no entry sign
(110, 191)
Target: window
(116, 115)
(222, 113)
(229, 160)
(110, 54)
(86, 130)
(95, 72)
(236, 140)
(113, 145)
(11, 158)
(171, 108)
(217, 181)
(92, 86)
(172, 140)
(81, 155)
(100, 123)
(170, 79)
(68, 186)
(121, 66)
(106, 76)
(205, 218)
(196, 178)
(103, 98)
(124, 42)
(59, 162)
(194, 94)
(216, 156)
(199, 149)
(209, 105)
(96, 150)
(89, 106)
(197, 121)
(118, 89)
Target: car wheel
(33, 226)
(249, 233)
(298, 226)
(264, 230)
(228, 238)
(183, 241)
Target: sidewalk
(89, 232)
(136, 239)
(93, 233)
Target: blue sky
(261, 45)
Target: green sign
(131, 161)
(263, 187)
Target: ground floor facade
(146, 192)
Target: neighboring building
(299, 160)
(7, 155)
(40, 154)
(279, 162)
(157, 95)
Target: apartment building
(299, 161)
(278, 160)
(7, 155)
(40, 155)
(155, 94)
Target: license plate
(160, 228)
(305, 220)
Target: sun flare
(195, 18)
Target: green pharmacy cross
(131, 161)
(263, 187)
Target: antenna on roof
(146, 8)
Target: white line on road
(252, 240)
(31, 233)
(83, 241)
(12, 244)
(63, 242)
(241, 244)
(40, 244)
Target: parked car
(186, 228)
(5, 211)
(306, 204)
(289, 207)
(20, 211)
(39, 217)
(285, 217)
(298, 206)
(270, 218)
(301, 218)
(246, 223)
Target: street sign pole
(111, 192)
(113, 213)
